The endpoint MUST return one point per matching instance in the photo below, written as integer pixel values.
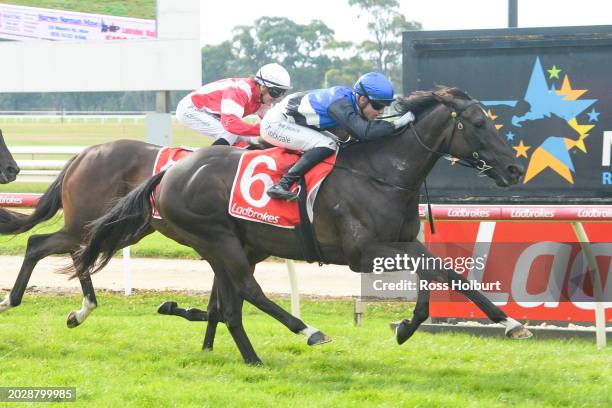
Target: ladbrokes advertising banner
(549, 94)
(31, 23)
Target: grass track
(154, 245)
(126, 355)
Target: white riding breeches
(205, 123)
(281, 130)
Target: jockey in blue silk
(301, 120)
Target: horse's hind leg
(231, 310)
(213, 311)
(38, 247)
(406, 328)
(248, 288)
(75, 318)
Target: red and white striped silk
(231, 99)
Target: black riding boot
(308, 160)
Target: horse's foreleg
(76, 318)
(514, 329)
(38, 247)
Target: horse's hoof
(166, 308)
(519, 333)
(72, 321)
(5, 305)
(403, 332)
(254, 362)
(317, 338)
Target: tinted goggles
(377, 105)
(276, 92)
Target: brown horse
(8, 166)
(87, 185)
(369, 200)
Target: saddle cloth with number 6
(257, 171)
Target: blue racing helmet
(376, 87)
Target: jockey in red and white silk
(217, 109)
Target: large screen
(549, 93)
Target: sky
(219, 17)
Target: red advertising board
(525, 236)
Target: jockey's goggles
(376, 104)
(276, 92)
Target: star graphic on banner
(593, 116)
(545, 101)
(493, 117)
(509, 136)
(553, 72)
(569, 93)
(521, 149)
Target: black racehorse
(8, 166)
(370, 199)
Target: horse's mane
(420, 101)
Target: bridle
(475, 161)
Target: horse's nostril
(13, 170)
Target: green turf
(154, 245)
(126, 355)
(51, 133)
(131, 8)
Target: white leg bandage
(510, 324)
(6, 303)
(87, 308)
(309, 331)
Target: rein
(473, 162)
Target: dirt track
(172, 274)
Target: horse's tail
(12, 222)
(121, 226)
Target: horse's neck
(402, 160)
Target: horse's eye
(479, 123)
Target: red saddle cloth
(257, 171)
(166, 158)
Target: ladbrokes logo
(11, 200)
(549, 125)
(469, 213)
(595, 213)
(251, 213)
(531, 213)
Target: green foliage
(385, 24)
(308, 51)
(126, 355)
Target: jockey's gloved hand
(406, 118)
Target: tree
(385, 24)
(301, 48)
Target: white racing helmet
(273, 76)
